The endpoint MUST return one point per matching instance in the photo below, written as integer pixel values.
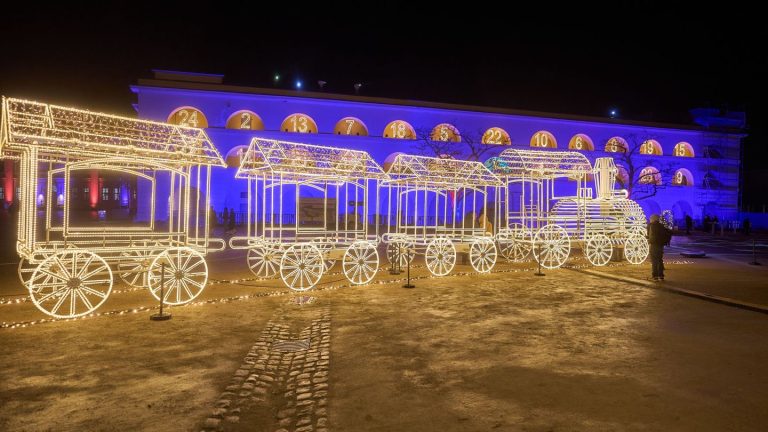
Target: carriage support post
(161, 316)
(538, 260)
(408, 283)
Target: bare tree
(469, 148)
(639, 182)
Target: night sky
(648, 60)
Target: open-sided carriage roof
(68, 134)
(299, 162)
(540, 164)
(446, 173)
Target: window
(651, 147)
(496, 135)
(245, 119)
(117, 194)
(683, 149)
(299, 123)
(2, 193)
(105, 194)
(399, 129)
(350, 126)
(188, 116)
(581, 142)
(445, 132)
(543, 139)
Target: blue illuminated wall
(715, 166)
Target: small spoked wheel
(515, 244)
(360, 263)
(182, 270)
(440, 256)
(402, 248)
(482, 255)
(25, 270)
(70, 283)
(598, 249)
(134, 265)
(636, 249)
(302, 266)
(551, 246)
(264, 260)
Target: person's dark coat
(658, 235)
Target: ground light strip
(22, 324)
(6, 301)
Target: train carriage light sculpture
(68, 266)
(307, 209)
(437, 207)
(535, 217)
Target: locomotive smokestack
(605, 176)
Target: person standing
(231, 221)
(213, 220)
(688, 224)
(658, 236)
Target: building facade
(687, 169)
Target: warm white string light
(68, 271)
(437, 207)
(548, 225)
(275, 172)
(117, 313)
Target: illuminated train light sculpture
(437, 207)
(534, 219)
(67, 264)
(329, 226)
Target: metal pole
(161, 316)
(754, 254)
(538, 260)
(408, 283)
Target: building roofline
(227, 88)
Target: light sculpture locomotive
(68, 266)
(308, 208)
(533, 218)
(438, 207)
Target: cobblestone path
(282, 384)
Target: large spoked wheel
(134, 266)
(360, 263)
(404, 249)
(636, 249)
(551, 246)
(482, 255)
(25, 270)
(264, 261)
(598, 249)
(181, 271)
(302, 266)
(515, 244)
(440, 256)
(70, 284)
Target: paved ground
(506, 351)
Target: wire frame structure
(535, 219)
(308, 207)
(438, 207)
(68, 266)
